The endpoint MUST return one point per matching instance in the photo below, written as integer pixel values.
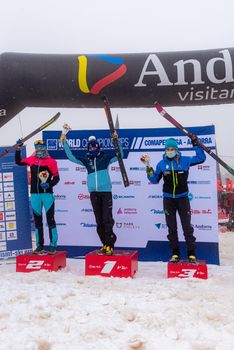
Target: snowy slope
(66, 311)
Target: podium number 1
(108, 266)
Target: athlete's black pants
(182, 206)
(102, 208)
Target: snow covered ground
(66, 311)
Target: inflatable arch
(129, 80)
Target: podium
(33, 262)
(184, 269)
(123, 263)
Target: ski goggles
(39, 143)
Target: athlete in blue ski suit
(174, 169)
(99, 186)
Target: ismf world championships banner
(137, 209)
(15, 227)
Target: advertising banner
(15, 229)
(180, 78)
(137, 209)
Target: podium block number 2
(35, 264)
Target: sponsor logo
(201, 211)
(11, 235)
(61, 224)
(86, 61)
(157, 211)
(116, 196)
(85, 224)
(82, 196)
(9, 205)
(63, 169)
(135, 183)
(61, 210)
(202, 197)
(3, 236)
(86, 210)
(11, 215)
(127, 225)
(115, 168)
(9, 195)
(94, 266)
(203, 167)
(160, 226)
(155, 196)
(11, 225)
(9, 185)
(116, 182)
(82, 169)
(203, 227)
(142, 168)
(83, 182)
(60, 196)
(206, 182)
(52, 144)
(69, 183)
(7, 176)
(154, 67)
(127, 211)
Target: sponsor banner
(180, 78)
(137, 209)
(15, 228)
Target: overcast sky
(105, 26)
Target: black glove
(19, 143)
(195, 141)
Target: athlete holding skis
(99, 185)
(174, 168)
(44, 176)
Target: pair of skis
(174, 122)
(36, 131)
(115, 141)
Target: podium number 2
(35, 264)
(108, 266)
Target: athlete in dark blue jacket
(99, 186)
(174, 169)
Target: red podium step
(33, 262)
(184, 269)
(123, 263)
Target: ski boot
(102, 250)
(109, 250)
(175, 259)
(192, 259)
(39, 250)
(52, 250)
